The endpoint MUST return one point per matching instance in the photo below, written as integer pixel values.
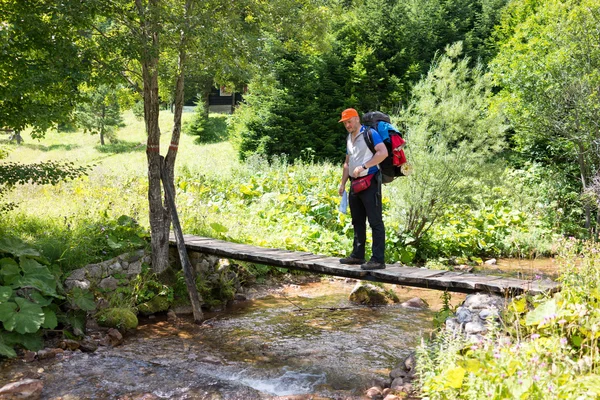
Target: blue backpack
(395, 163)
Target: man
(366, 204)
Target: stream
(302, 340)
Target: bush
(208, 128)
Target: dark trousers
(367, 205)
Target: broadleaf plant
(29, 292)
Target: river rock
(114, 337)
(415, 302)
(491, 261)
(480, 301)
(88, 346)
(48, 353)
(109, 283)
(373, 393)
(72, 283)
(396, 383)
(156, 304)
(463, 315)
(475, 327)
(115, 268)
(68, 344)
(135, 268)
(78, 274)
(29, 356)
(368, 294)
(391, 397)
(24, 389)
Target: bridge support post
(183, 256)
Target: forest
(498, 101)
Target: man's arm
(345, 175)
(380, 154)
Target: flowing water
(537, 268)
(305, 339)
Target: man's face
(352, 124)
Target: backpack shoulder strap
(369, 139)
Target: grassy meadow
(217, 195)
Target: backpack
(395, 163)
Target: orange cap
(348, 113)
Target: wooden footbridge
(395, 274)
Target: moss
(117, 317)
(154, 305)
(372, 295)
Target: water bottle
(343, 208)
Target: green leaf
(17, 247)
(407, 254)
(541, 313)
(27, 318)
(113, 242)
(50, 320)
(9, 271)
(125, 220)
(31, 341)
(7, 310)
(83, 299)
(454, 377)
(218, 227)
(37, 276)
(39, 299)
(6, 350)
(5, 293)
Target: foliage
(548, 68)
(551, 350)
(125, 234)
(207, 130)
(445, 312)
(293, 111)
(49, 172)
(376, 51)
(100, 112)
(42, 62)
(30, 296)
(453, 137)
(484, 231)
(146, 287)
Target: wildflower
(535, 336)
(537, 277)
(536, 378)
(496, 355)
(563, 341)
(550, 388)
(562, 321)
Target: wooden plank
(332, 266)
(409, 276)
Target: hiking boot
(352, 260)
(371, 265)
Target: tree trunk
(102, 126)
(160, 220)
(583, 171)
